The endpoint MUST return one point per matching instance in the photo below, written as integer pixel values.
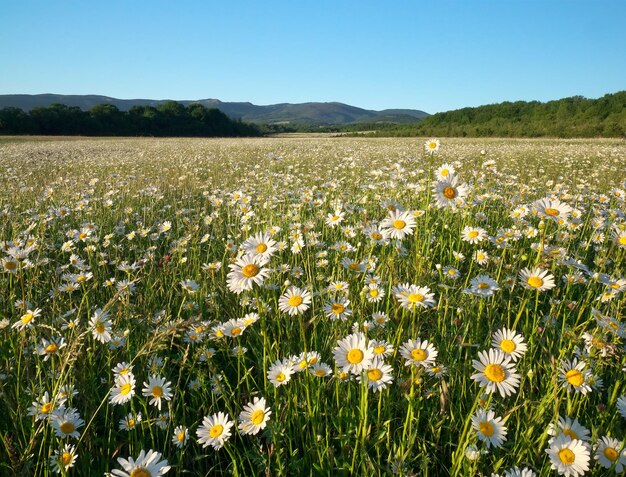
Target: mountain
(318, 114)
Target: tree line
(568, 117)
(167, 119)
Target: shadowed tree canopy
(169, 119)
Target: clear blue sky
(431, 55)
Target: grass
(118, 225)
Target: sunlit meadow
(312, 306)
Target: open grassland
(312, 306)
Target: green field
(352, 306)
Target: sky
(418, 54)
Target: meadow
(312, 306)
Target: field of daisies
(312, 306)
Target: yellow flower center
(250, 270)
(180, 436)
(486, 428)
(415, 298)
(9, 265)
(622, 240)
(140, 472)
(280, 377)
(374, 374)
(567, 456)
(81, 278)
(261, 248)
(449, 192)
(355, 356)
(257, 417)
(571, 434)
(374, 292)
(419, 354)
(483, 286)
(46, 408)
(399, 224)
(380, 349)
(294, 301)
(432, 145)
(377, 236)
(508, 346)
(574, 377)
(534, 282)
(27, 318)
(472, 234)
(551, 212)
(337, 308)
(445, 172)
(320, 373)
(67, 427)
(100, 327)
(611, 454)
(354, 266)
(130, 423)
(235, 331)
(157, 391)
(216, 431)
(495, 373)
(66, 458)
(51, 348)
(125, 389)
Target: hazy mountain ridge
(314, 113)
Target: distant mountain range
(285, 113)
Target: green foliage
(168, 119)
(567, 117)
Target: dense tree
(169, 119)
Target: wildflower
(496, 372)
(412, 297)
(280, 373)
(480, 257)
(63, 460)
(27, 320)
(320, 370)
(419, 353)
(337, 309)
(445, 171)
(181, 436)
(552, 209)
(573, 376)
(260, 244)
(509, 342)
(536, 279)
(157, 388)
(148, 464)
(214, 431)
(432, 145)
(450, 192)
(245, 272)
(101, 326)
(571, 428)
(42, 408)
(378, 374)
(50, 348)
(482, 285)
(124, 389)
(190, 286)
(129, 422)
(569, 457)
(398, 224)
(489, 428)
(473, 235)
(610, 452)
(254, 417)
(66, 423)
(294, 301)
(353, 354)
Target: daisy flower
(280, 372)
(412, 297)
(509, 342)
(66, 423)
(483, 286)
(398, 224)
(571, 428)
(214, 431)
(338, 309)
(496, 372)
(552, 209)
(480, 257)
(42, 408)
(181, 436)
(190, 286)
(445, 171)
(27, 320)
(536, 279)
(610, 452)
(254, 417)
(334, 219)
(294, 301)
(573, 376)
(373, 293)
(378, 374)
(473, 234)
(569, 457)
(517, 472)
(63, 460)
(432, 145)
(245, 272)
(148, 464)
(156, 389)
(418, 353)
(450, 192)
(101, 326)
(260, 244)
(489, 428)
(353, 353)
(124, 389)
(320, 370)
